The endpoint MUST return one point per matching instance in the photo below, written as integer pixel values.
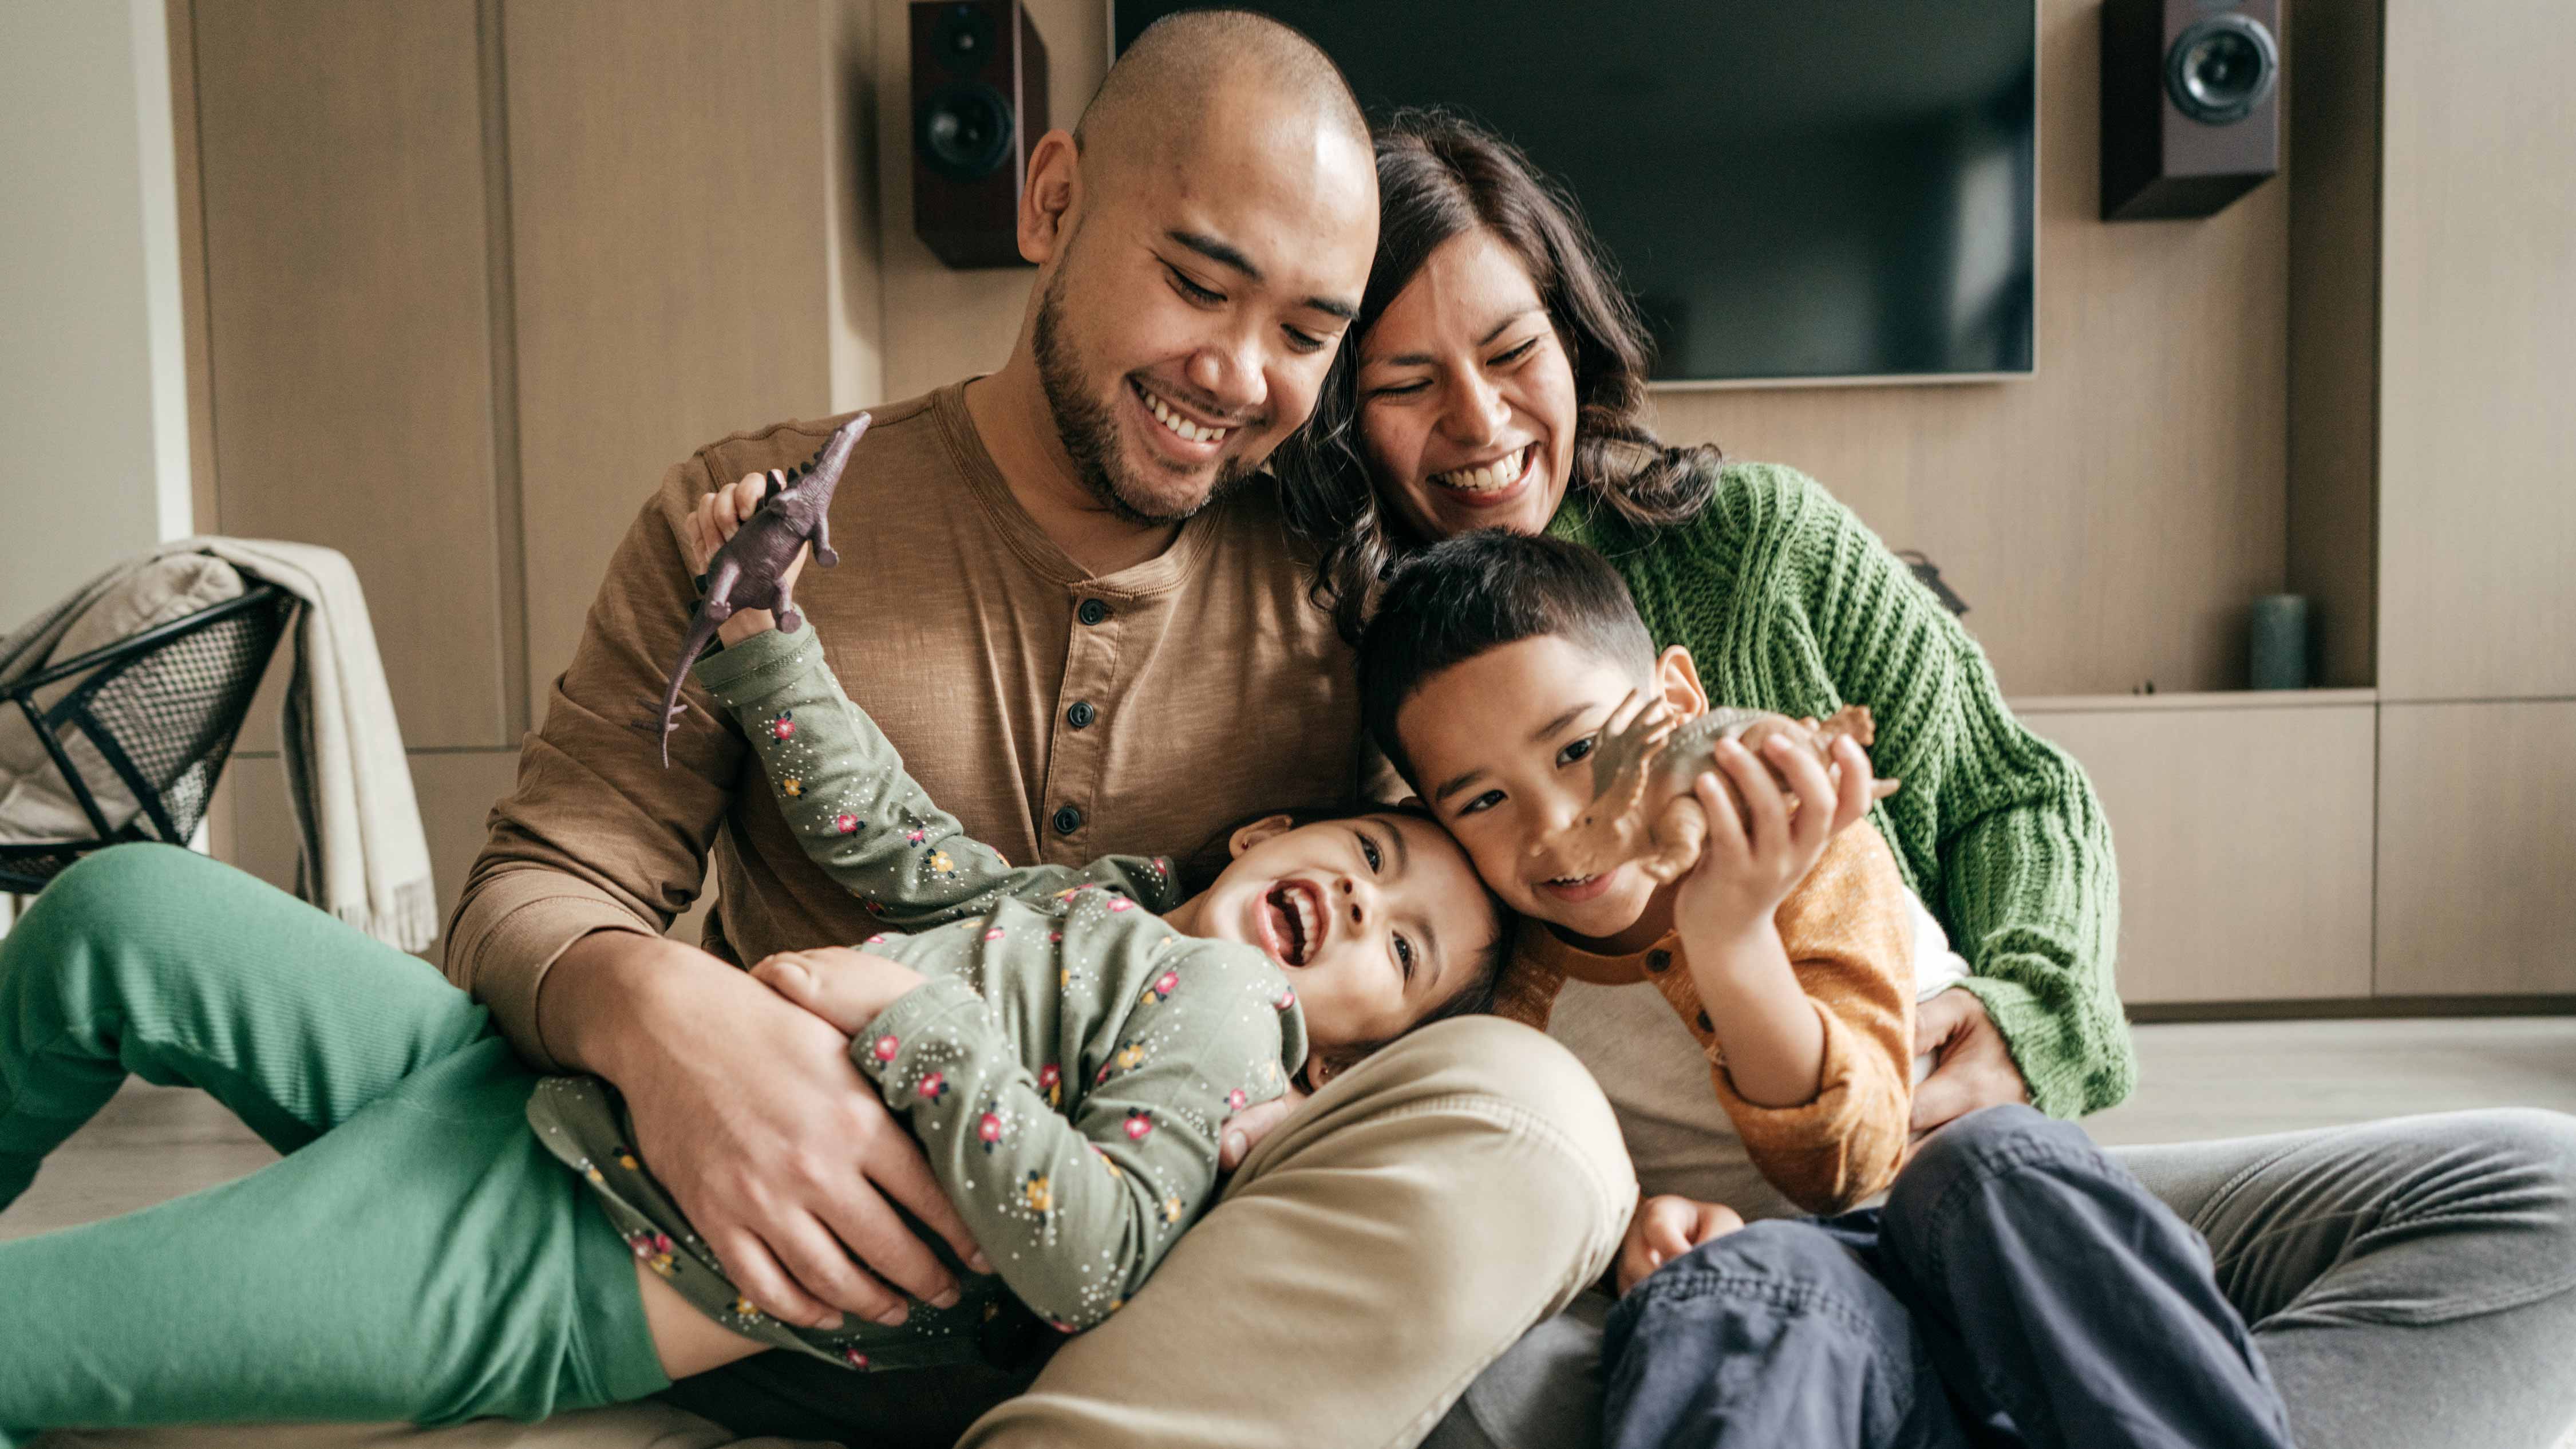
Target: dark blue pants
(2019, 1288)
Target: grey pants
(2411, 1283)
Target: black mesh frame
(161, 708)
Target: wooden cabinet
(2477, 849)
(2243, 831)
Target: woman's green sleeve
(2001, 826)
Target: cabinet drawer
(2244, 840)
(2477, 849)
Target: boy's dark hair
(1199, 869)
(1475, 593)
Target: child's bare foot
(845, 987)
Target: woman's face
(1466, 396)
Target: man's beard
(1089, 429)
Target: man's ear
(1047, 202)
(1268, 827)
(1677, 684)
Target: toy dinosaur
(749, 571)
(1642, 771)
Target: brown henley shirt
(1060, 716)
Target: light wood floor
(2200, 1080)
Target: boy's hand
(718, 517)
(1757, 854)
(1664, 1229)
(1857, 786)
(845, 987)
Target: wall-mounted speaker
(2191, 104)
(979, 102)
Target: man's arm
(596, 835)
(747, 1106)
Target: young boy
(2017, 1282)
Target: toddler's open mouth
(1292, 921)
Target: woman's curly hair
(1439, 175)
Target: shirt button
(1092, 611)
(1067, 820)
(1081, 715)
(1658, 960)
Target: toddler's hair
(1199, 869)
(1472, 594)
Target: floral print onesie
(1068, 1064)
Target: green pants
(417, 1255)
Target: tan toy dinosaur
(1642, 771)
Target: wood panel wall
(472, 274)
(2478, 353)
(2477, 500)
(667, 216)
(349, 350)
(2109, 520)
(469, 274)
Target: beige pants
(1377, 1251)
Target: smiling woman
(1494, 366)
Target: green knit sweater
(1789, 603)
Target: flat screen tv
(1793, 190)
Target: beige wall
(92, 385)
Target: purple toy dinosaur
(746, 573)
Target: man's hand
(718, 517)
(1664, 1229)
(1245, 1129)
(1971, 1066)
(845, 987)
(749, 1111)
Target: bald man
(1057, 598)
